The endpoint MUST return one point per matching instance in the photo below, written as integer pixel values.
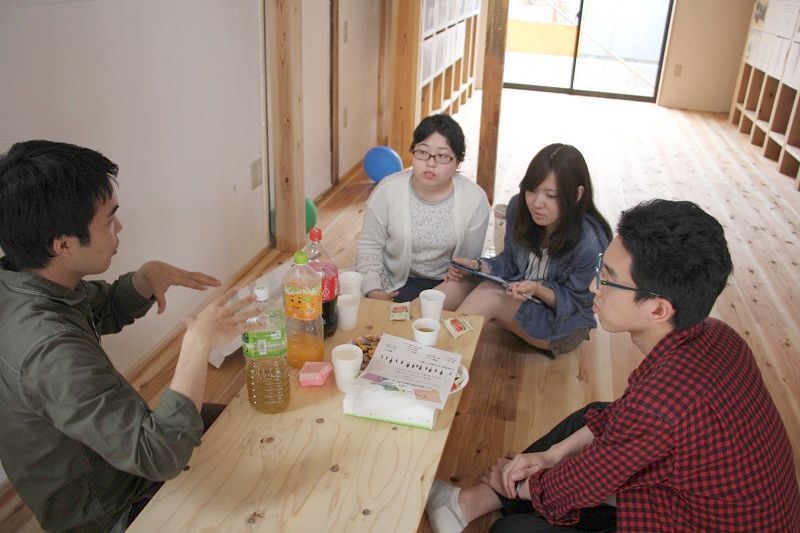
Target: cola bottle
(320, 260)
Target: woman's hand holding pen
(524, 290)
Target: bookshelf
(433, 58)
(765, 104)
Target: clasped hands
(504, 475)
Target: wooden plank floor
(635, 151)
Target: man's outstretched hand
(155, 277)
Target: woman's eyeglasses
(441, 159)
(600, 281)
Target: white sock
(444, 513)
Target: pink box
(314, 373)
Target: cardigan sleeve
(475, 232)
(371, 245)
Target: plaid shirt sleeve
(631, 440)
(693, 444)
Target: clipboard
(505, 284)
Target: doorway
(612, 48)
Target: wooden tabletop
(311, 468)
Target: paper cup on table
(431, 301)
(426, 331)
(347, 311)
(350, 283)
(346, 359)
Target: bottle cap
(262, 292)
(315, 234)
(300, 258)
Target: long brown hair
(569, 167)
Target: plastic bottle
(265, 355)
(302, 301)
(321, 261)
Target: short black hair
(678, 251)
(48, 190)
(445, 126)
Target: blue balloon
(381, 161)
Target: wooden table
(311, 468)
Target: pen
(507, 286)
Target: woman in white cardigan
(417, 220)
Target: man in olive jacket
(78, 442)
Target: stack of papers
(404, 383)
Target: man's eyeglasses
(600, 281)
(441, 159)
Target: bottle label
(302, 303)
(261, 344)
(330, 279)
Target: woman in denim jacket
(553, 238)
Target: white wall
(359, 45)
(170, 91)
(703, 53)
(316, 26)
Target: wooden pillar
(405, 95)
(493, 62)
(334, 96)
(285, 53)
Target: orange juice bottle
(302, 301)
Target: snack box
(314, 373)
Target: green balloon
(311, 216)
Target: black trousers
(520, 516)
(414, 286)
(209, 412)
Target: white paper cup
(350, 283)
(346, 359)
(426, 331)
(431, 302)
(347, 311)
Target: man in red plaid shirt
(694, 443)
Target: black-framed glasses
(600, 281)
(441, 159)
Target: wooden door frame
(492, 86)
(604, 94)
(334, 91)
(284, 124)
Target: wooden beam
(405, 96)
(493, 63)
(334, 82)
(383, 60)
(284, 50)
